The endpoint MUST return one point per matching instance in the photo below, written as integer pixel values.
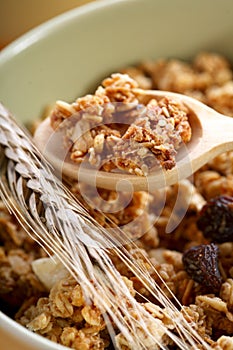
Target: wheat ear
(51, 215)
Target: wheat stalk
(61, 225)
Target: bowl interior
(69, 55)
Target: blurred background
(18, 16)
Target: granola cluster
(115, 129)
(57, 310)
(64, 317)
(208, 78)
(18, 283)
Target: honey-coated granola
(114, 129)
(168, 218)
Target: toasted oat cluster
(208, 78)
(174, 249)
(18, 282)
(114, 129)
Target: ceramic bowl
(68, 55)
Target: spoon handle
(217, 137)
(217, 130)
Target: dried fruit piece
(216, 219)
(201, 264)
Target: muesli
(115, 129)
(181, 249)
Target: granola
(56, 308)
(113, 129)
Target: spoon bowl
(212, 134)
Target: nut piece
(49, 271)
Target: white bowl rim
(9, 325)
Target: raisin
(216, 219)
(201, 264)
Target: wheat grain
(62, 226)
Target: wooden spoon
(212, 134)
